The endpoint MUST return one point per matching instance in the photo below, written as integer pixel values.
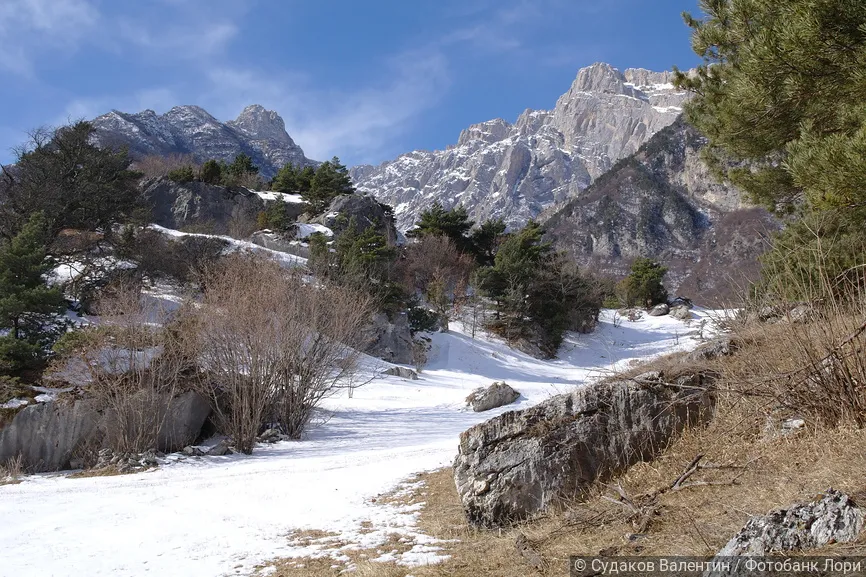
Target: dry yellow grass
(751, 469)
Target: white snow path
(215, 516)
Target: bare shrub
(133, 363)
(273, 345)
(157, 166)
(11, 470)
(435, 268)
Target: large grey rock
(522, 462)
(659, 310)
(365, 210)
(719, 347)
(514, 171)
(832, 518)
(401, 372)
(48, 436)
(389, 339)
(178, 205)
(183, 421)
(496, 395)
(257, 132)
(681, 312)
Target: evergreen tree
(72, 182)
(242, 165)
(29, 309)
(330, 180)
(211, 172)
(643, 286)
(485, 240)
(453, 224)
(781, 98)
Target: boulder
(833, 517)
(365, 210)
(178, 205)
(681, 312)
(681, 302)
(659, 310)
(522, 462)
(389, 339)
(277, 241)
(496, 395)
(48, 436)
(801, 313)
(720, 347)
(401, 372)
(183, 421)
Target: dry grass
(748, 468)
(11, 471)
(111, 471)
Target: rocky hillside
(257, 132)
(662, 202)
(514, 171)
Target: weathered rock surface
(257, 132)
(664, 203)
(389, 340)
(366, 211)
(49, 435)
(659, 310)
(178, 205)
(496, 395)
(681, 312)
(719, 347)
(832, 518)
(514, 171)
(522, 462)
(401, 372)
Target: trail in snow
(215, 516)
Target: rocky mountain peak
(599, 77)
(489, 132)
(191, 129)
(258, 122)
(514, 171)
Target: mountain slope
(257, 132)
(663, 203)
(514, 171)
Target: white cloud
(32, 27)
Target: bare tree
(273, 345)
(133, 363)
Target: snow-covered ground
(213, 516)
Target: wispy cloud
(29, 28)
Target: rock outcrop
(514, 171)
(389, 339)
(496, 395)
(831, 518)
(180, 205)
(191, 130)
(663, 203)
(366, 212)
(522, 462)
(49, 436)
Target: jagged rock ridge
(514, 171)
(192, 130)
(663, 203)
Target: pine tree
(28, 307)
(485, 240)
(242, 165)
(453, 223)
(211, 172)
(330, 180)
(781, 98)
(643, 286)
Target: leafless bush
(273, 345)
(156, 166)
(133, 363)
(11, 470)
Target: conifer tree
(28, 307)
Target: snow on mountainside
(514, 171)
(192, 130)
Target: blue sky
(364, 80)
